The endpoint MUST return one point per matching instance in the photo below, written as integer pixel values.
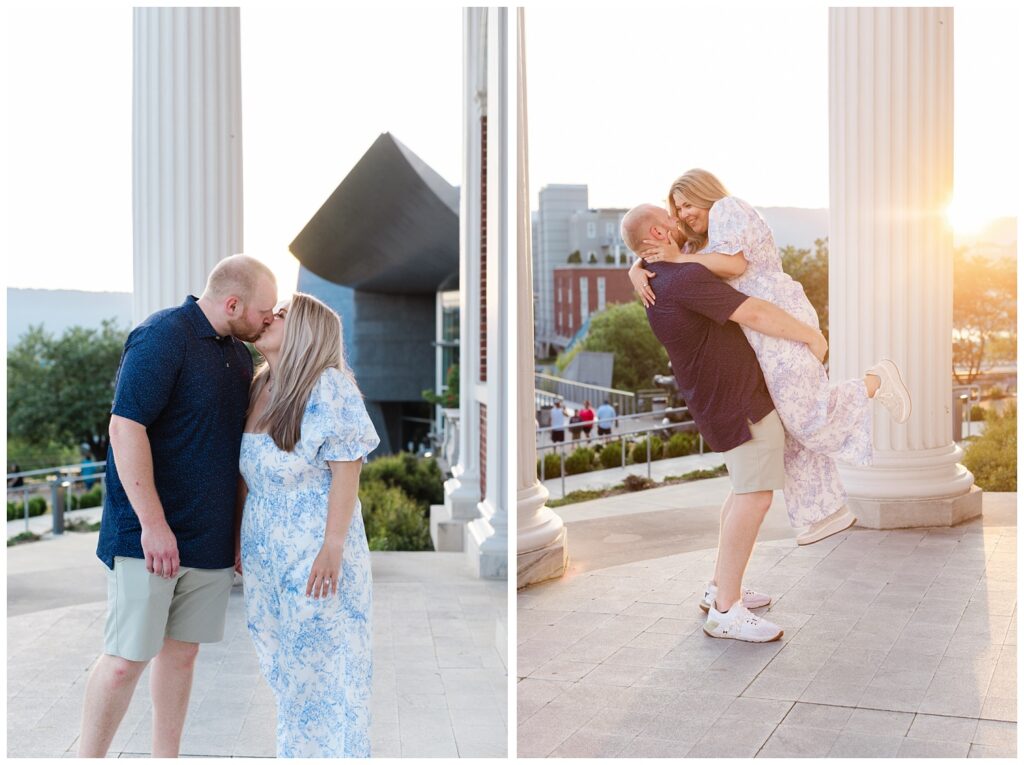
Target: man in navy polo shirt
(697, 317)
(168, 529)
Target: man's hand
(640, 278)
(819, 347)
(238, 556)
(161, 550)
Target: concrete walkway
(440, 687)
(897, 643)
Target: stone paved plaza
(897, 644)
(440, 684)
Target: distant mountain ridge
(57, 310)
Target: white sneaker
(840, 520)
(750, 598)
(739, 624)
(892, 394)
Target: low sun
(968, 216)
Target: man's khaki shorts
(143, 608)
(758, 464)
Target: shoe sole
(825, 534)
(706, 608)
(726, 637)
(894, 370)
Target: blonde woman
(823, 422)
(303, 550)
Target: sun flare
(968, 216)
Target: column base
(446, 532)
(448, 521)
(486, 548)
(548, 562)
(905, 514)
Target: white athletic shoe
(840, 520)
(892, 394)
(750, 598)
(739, 624)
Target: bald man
(697, 317)
(167, 535)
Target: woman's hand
(819, 347)
(662, 249)
(640, 277)
(323, 578)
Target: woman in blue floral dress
(303, 551)
(824, 421)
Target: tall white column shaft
(487, 536)
(186, 150)
(890, 249)
(541, 545)
(462, 491)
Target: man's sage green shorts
(143, 608)
(758, 464)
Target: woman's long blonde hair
(312, 343)
(701, 189)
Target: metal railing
(59, 481)
(624, 401)
(663, 429)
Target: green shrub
(419, 477)
(580, 461)
(393, 519)
(92, 498)
(611, 455)
(639, 452)
(977, 413)
(681, 444)
(16, 509)
(552, 466)
(992, 457)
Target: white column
(487, 536)
(186, 150)
(462, 490)
(891, 252)
(542, 550)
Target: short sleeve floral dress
(315, 654)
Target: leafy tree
(574, 257)
(450, 398)
(59, 390)
(984, 313)
(623, 330)
(811, 270)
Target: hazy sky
(320, 84)
(642, 96)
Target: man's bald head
(637, 223)
(240, 276)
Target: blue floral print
(315, 654)
(824, 422)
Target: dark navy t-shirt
(715, 367)
(190, 388)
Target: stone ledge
(905, 514)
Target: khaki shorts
(758, 464)
(143, 608)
